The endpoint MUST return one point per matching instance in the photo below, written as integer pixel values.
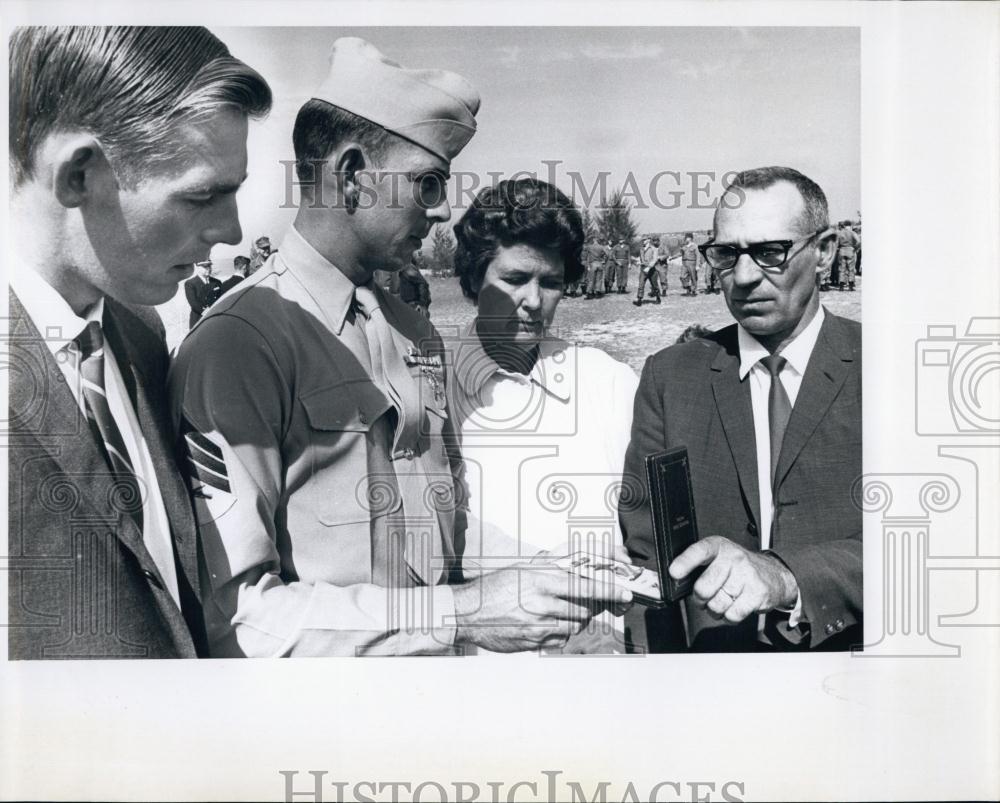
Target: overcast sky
(638, 104)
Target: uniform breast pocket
(341, 417)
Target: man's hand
(737, 582)
(525, 607)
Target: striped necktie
(128, 497)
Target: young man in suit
(122, 179)
(770, 412)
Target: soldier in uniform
(620, 256)
(711, 280)
(662, 257)
(595, 256)
(610, 269)
(647, 271)
(847, 244)
(260, 253)
(201, 291)
(689, 265)
(314, 412)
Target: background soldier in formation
(847, 244)
(662, 255)
(596, 256)
(711, 280)
(260, 253)
(610, 269)
(619, 255)
(689, 265)
(647, 271)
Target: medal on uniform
(431, 367)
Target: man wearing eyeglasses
(770, 411)
(312, 404)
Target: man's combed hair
(526, 211)
(320, 127)
(128, 86)
(816, 216)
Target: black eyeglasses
(770, 256)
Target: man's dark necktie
(90, 343)
(779, 409)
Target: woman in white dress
(544, 423)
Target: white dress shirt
(59, 326)
(797, 354)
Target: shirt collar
(797, 352)
(473, 366)
(50, 312)
(332, 291)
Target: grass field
(612, 323)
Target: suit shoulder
(695, 353)
(846, 334)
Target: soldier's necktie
(779, 408)
(390, 372)
(90, 344)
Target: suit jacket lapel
(828, 367)
(150, 407)
(732, 398)
(60, 427)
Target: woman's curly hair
(526, 211)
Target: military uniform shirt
(288, 440)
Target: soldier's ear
(79, 169)
(346, 168)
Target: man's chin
(757, 325)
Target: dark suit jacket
(691, 395)
(201, 295)
(230, 283)
(82, 584)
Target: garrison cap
(435, 109)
